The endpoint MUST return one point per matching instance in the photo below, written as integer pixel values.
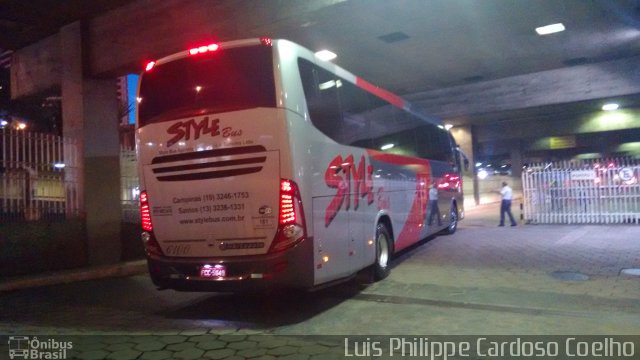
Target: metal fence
(129, 186)
(36, 176)
(582, 192)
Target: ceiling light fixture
(550, 29)
(610, 107)
(325, 55)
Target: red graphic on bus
(185, 129)
(410, 233)
(344, 175)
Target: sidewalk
(61, 277)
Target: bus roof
(356, 80)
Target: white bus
(262, 166)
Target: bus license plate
(215, 271)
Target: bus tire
(381, 266)
(453, 221)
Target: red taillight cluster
(150, 65)
(287, 209)
(148, 238)
(204, 49)
(291, 228)
(450, 181)
(145, 212)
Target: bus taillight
(291, 229)
(287, 208)
(150, 65)
(145, 212)
(148, 238)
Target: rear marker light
(204, 49)
(266, 41)
(150, 65)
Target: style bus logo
(25, 347)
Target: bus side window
(447, 147)
(354, 104)
(382, 124)
(435, 143)
(320, 89)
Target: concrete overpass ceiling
(441, 43)
(407, 46)
(415, 45)
(552, 111)
(26, 22)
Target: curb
(67, 276)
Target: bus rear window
(220, 81)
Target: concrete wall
(39, 246)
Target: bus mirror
(465, 159)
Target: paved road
(530, 279)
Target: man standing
(505, 205)
(433, 204)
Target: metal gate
(36, 176)
(582, 192)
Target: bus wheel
(453, 222)
(381, 267)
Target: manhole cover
(569, 276)
(631, 272)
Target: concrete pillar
(90, 118)
(102, 172)
(516, 163)
(72, 116)
(465, 139)
(516, 158)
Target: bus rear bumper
(292, 268)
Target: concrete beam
(121, 40)
(566, 85)
(145, 30)
(36, 68)
(559, 125)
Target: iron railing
(582, 192)
(37, 176)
